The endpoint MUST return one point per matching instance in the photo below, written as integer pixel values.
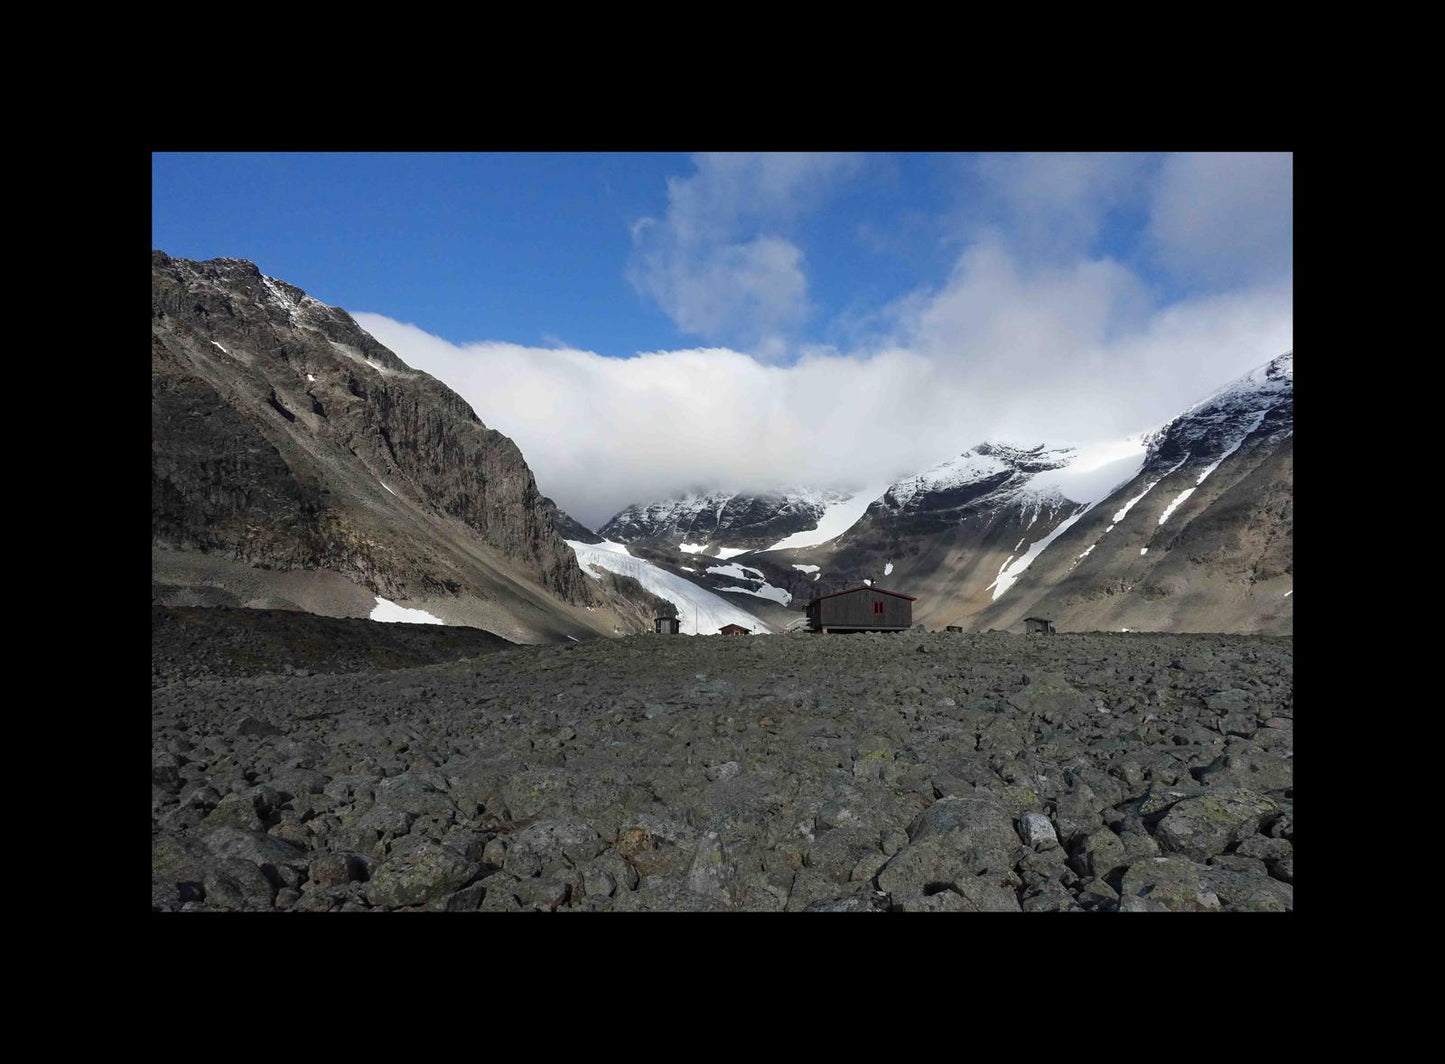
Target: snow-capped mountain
(1260, 405)
(1090, 535)
(722, 522)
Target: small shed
(861, 609)
(664, 625)
(733, 629)
(1038, 626)
(955, 627)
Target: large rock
(959, 844)
(1251, 768)
(1201, 827)
(550, 842)
(415, 794)
(424, 874)
(1166, 884)
(1246, 890)
(265, 851)
(1036, 831)
(1099, 854)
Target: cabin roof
(865, 587)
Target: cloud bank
(1035, 336)
(716, 262)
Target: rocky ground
(203, 642)
(917, 772)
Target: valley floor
(857, 773)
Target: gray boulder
(1037, 832)
(1199, 828)
(419, 876)
(1166, 884)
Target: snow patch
(1143, 551)
(1001, 568)
(386, 610)
(1119, 514)
(767, 591)
(888, 569)
(698, 609)
(1178, 500)
(223, 350)
(688, 568)
(836, 519)
(388, 487)
(1288, 593)
(741, 572)
(738, 572)
(1094, 472)
(608, 545)
(692, 548)
(731, 552)
(311, 377)
(1010, 575)
(807, 568)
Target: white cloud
(1067, 357)
(1035, 336)
(1055, 203)
(718, 262)
(1224, 218)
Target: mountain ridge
(969, 530)
(287, 439)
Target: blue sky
(529, 248)
(1027, 296)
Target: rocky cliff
(285, 437)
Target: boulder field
(866, 773)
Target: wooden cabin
(665, 625)
(1038, 626)
(733, 629)
(861, 609)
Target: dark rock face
(285, 436)
(721, 518)
(566, 527)
(1092, 773)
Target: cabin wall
(855, 610)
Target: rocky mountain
(1201, 539)
(566, 527)
(722, 521)
(1186, 527)
(298, 463)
